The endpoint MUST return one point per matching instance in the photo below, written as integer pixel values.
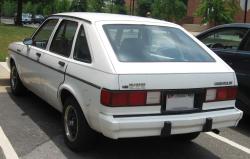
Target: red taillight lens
(220, 94)
(129, 98)
(119, 99)
(105, 97)
(137, 98)
(232, 93)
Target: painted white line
(230, 142)
(5, 144)
(4, 64)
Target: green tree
(95, 5)
(47, 10)
(9, 8)
(28, 8)
(62, 6)
(119, 7)
(169, 10)
(143, 7)
(217, 12)
(79, 5)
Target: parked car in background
(124, 76)
(38, 19)
(26, 18)
(232, 43)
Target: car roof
(94, 17)
(231, 25)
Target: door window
(41, 38)
(246, 46)
(225, 39)
(63, 39)
(81, 51)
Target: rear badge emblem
(134, 86)
(223, 83)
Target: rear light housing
(130, 98)
(221, 94)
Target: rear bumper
(125, 127)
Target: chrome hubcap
(71, 123)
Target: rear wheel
(186, 137)
(77, 133)
(16, 85)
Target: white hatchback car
(124, 76)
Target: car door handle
(61, 63)
(38, 54)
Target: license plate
(179, 102)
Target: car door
(31, 70)
(55, 60)
(242, 62)
(225, 42)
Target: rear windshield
(146, 43)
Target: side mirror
(28, 41)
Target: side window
(81, 51)
(246, 46)
(225, 39)
(63, 39)
(41, 38)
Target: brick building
(131, 4)
(193, 5)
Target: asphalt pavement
(34, 129)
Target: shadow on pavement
(49, 121)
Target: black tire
(186, 137)
(77, 133)
(17, 88)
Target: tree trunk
(19, 13)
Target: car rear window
(146, 43)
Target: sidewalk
(5, 66)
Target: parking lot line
(229, 142)
(6, 146)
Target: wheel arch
(11, 61)
(66, 91)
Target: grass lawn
(10, 33)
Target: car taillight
(220, 94)
(129, 98)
